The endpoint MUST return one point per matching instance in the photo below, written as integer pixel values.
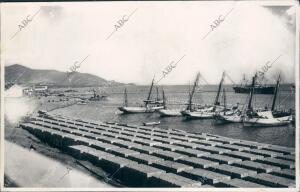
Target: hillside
(19, 74)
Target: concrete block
(143, 135)
(179, 138)
(239, 183)
(264, 153)
(286, 157)
(162, 135)
(243, 155)
(232, 147)
(206, 142)
(205, 176)
(146, 142)
(251, 144)
(167, 140)
(145, 149)
(171, 166)
(167, 147)
(197, 162)
(103, 146)
(225, 140)
(126, 144)
(115, 164)
(277, 162)
(172, 180)
(256, 166)
(127, 133)
(233, 171)
(191, 152)
(187, 145)
(123, 152)
(280, 149)
(138, 175)
(168, 155)
(145, 158)
(222, 159)
(271, 180)
(212, 149)
(201, 137)
(287, 173)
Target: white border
(297, 85)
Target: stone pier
(142, 156)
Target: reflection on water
(106, 110)
(31, 169)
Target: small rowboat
(151, 123)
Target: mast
(252, 92)
(157, 94)
(125, 98)
(149, 95)
(275, 93)
(189, 106)
(219, 90)
(164, 99)
(224, 97)
(94, 91)
(244, 79)
(193, 91)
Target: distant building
(28, 91)
(40, 88)
(36, 90)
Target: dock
(140, 156)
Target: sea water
(177, 97)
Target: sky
(155, 35)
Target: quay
(141, 156)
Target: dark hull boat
(257, 89)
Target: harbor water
(177, 96)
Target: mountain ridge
(19, 74)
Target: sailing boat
(234, 115)
(264, 118)
(206, 112)
(148, 107)
(168, 112)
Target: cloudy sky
(156, 34)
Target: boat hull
(229, 118)
(139, 109)
(198, 114)
(169, 113)
(258, 122)
(257, 90)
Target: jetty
(141, 156)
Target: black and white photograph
(150, 95)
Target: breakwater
(141, 156)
